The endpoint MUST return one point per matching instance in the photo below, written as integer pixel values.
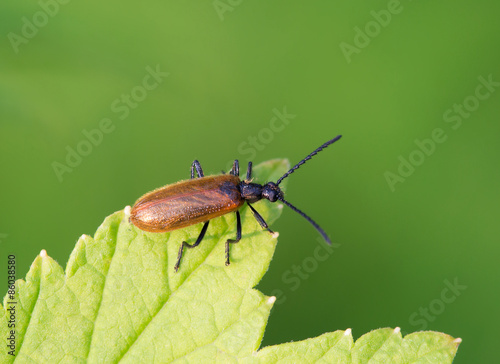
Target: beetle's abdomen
(186, 203)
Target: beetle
(203, 198)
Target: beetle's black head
(271, 192)
(253, 192)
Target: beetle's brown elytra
(203, 198)
(186, 203)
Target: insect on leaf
(119, 300)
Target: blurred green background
(382, 73)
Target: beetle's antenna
(307, 158)
(313, 223)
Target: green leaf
(378, 346)
(120, 301)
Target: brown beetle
(203, 198)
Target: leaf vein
(173, 293)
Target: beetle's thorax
(253, 192)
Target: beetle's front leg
(249, 172)
(260, 219)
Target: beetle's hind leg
(238, 236)
(199, 170)
(196, 243)
(260, 219)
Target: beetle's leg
(238, 236)
(184, 244)
(235, 171)
(199, 170)
(260, 219)
(249, 171)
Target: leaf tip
(271, 300)
(457, 341)
(127, 210)
(347, 332)
(43, 253)
(397, 330)
(275, 234)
